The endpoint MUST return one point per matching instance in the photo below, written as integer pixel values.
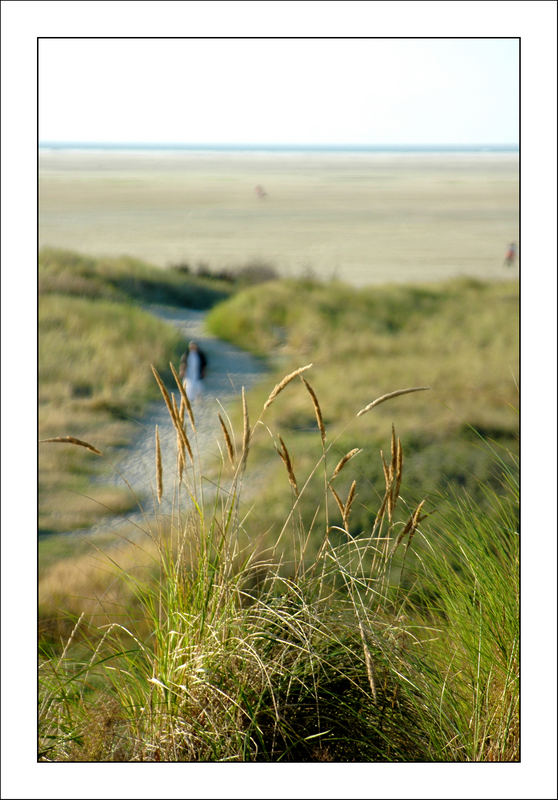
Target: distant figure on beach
(260, 192)
(509, 260)
(192, 370)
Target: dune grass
(123, 279)
(340, 587)
(216, 647)
(459, 337)
(94, 344)
(91, 386)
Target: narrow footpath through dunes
(228, 370)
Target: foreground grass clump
(223, 649)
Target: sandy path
(229, 369)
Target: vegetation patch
(125, 279)
(201, 643)
(343, 585)
(95, 347)
(460, 338)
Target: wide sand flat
(366, 218)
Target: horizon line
(277, 145)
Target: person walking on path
(192, 371)
(509, 260)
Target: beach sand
(361, 217)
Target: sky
(359, 91)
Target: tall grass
(396, 643)
(466, 587)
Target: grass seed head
(398, 469)
(173, 411)
(228, 440)
(165, 394)
(72, 440)
(184, 398)
(389, 396)
(158, 465)
(286, 459)
(284, 382)
(346, 457)
(337, 500)
(181, 456)
(246, 432)
(393, 451)
(368, 661)
(348, 505)
(317, 408)
(385, 468)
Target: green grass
(460, 338)
(124, 279)
(397, 644)
(95, 348)
(464, 585)
(94, 381)
(262, 623)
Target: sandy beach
(362, 217)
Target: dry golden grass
(158, 465)
(286, 459)
(166, 396)
(173, 413)
(389, 396)
(412, 523)
(246, 430)
(368, 661)
(282, 383)
(228, 441)
(345, 507)
(348, 504)
(72, 440)
(93, 585)
(347, 457)
(184, 400)
(181, 450)
(317, 409)
(340, 504)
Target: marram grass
(222, 649)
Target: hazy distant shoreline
(168, 158)
(273, 148)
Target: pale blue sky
(284, 91)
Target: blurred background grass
(459, 337)
(96, 345)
